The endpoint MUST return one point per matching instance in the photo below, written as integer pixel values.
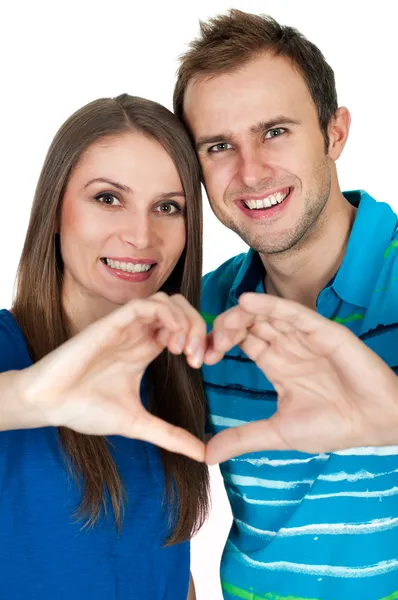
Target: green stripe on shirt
(209, 319)
(393, 244)
(233, 590)
(349, 319)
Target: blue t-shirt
(311, 526)
(44, 553)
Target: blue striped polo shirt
(323, 526)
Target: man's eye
(107, 199)
(276, 132)
(221, 147)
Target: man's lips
(265, 206)
(265, 195)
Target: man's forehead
(235, 101)
(266, 79)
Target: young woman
(116, 218)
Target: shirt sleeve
(14, 354)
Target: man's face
(262, 152)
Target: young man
(260, 103)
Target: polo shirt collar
(373, 229)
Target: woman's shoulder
(14, 353)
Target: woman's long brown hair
(174, 390)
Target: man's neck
(303, 271)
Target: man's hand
(333, 391)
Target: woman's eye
(168, 208)
(107, 199)
(276, 132)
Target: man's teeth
(266, 202)
(127, 266)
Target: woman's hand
(92, 382)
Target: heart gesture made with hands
(92, 382)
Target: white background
(57, 56)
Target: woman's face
(122, 225)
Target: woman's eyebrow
(115, 184)
(166, 195)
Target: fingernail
(218, 339)
(193, 346)
(197, 359)
(181, 342)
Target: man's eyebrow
(258, 128)
(212, 139)
(119, 186)
(274, 122)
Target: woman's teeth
(128, 267)
(266, 202)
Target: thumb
(253, 437)
(151, 429)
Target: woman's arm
(91, 383)
(15, 411)
(191, 591)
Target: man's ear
(338, 130)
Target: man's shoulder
(391, 252)
(217, 284)
(380, 325)
(388, 275)
(13, 351)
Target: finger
(282, 310)
(151, 429)
(225, 342)
(253, 437)
(189, 331)
(174, 342)
(322, 335)
(163, 338)
(274, 360)
(229, 328)
(282, 326)
(295, 346)
(146, 311)
(266, 331)
(166, 306)
(113, 332)
(287, 341)
(178, 314)
(195, 343)
(254, 347)
(211, 356)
